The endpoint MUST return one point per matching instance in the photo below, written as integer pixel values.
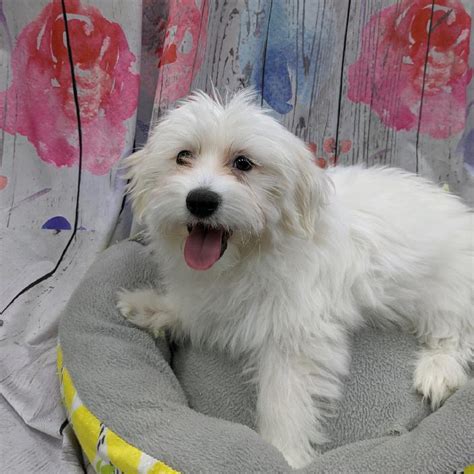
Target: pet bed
(139, 406)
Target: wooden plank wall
(300, 55)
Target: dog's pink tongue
(203, 247)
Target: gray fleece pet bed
(142, 406)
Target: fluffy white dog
(268, 257)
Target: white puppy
(266, 256)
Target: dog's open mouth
(204, 246)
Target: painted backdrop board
(380, 82)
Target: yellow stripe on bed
(104, 448)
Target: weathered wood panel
(404, 79)
(350, 78)
(372, 142)
(443, 106)
(289, 52)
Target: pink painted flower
(345, 146)
(41, 93)
(313, 147)
(391, 75)
(183, 52)
(331, 154)
(321, 162)
(329, 145)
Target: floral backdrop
(436, 64)
(81, 82)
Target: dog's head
(224, 177)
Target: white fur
(313, 256)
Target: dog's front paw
(126, 304)
(437, 376)
(141, 308)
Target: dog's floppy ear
(312, 189)
(137, 184)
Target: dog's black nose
(202, 202)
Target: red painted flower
(44, 103)
(183, 50)
(391, 74)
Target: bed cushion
(140, 405)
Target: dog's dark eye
(182, 156)
(242, 163)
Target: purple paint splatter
(57, 223)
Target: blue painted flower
(279, 58)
